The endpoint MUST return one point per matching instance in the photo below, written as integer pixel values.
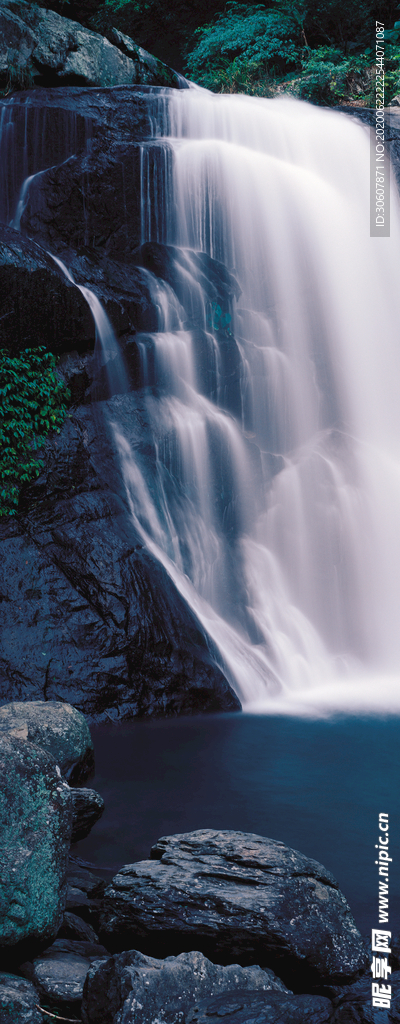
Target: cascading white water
(278, 520)
(273, 499)
(105, 336)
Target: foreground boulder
(62, 731)
(135, 989)
(238, 898)
(18, 1001)
(35, 826)
(261, 1008)
(39, 47)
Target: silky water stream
(276, 497)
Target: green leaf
(33, 402)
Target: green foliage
(253, 48)
(328, 77)
(392, 70)
(33, 402)
(392, 35)
(245, 44)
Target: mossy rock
(35, 826)
(56, 727)
(18, 1001)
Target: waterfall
(275, 501)
(272, 496)
(32, 138)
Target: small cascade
(34, 136)
(110, 350)
(22, 201)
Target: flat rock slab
(58, 728)
(238, 898)
(18, 1001)
(131, 988)
(59, 973)
(261, 1008)
(35, 828)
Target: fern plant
(33, 403)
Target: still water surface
(316, 785)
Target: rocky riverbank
(214, 924)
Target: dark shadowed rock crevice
(87, 807)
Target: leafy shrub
(33, 402)
(244, 45)
(392, 66)
(329, 77)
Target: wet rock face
(238, 898)
(35, 825)
(78, 203)
(40, 47)
(132, 988)
(57, 728)
(87, 614)
(88, 806)
(37, 304)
